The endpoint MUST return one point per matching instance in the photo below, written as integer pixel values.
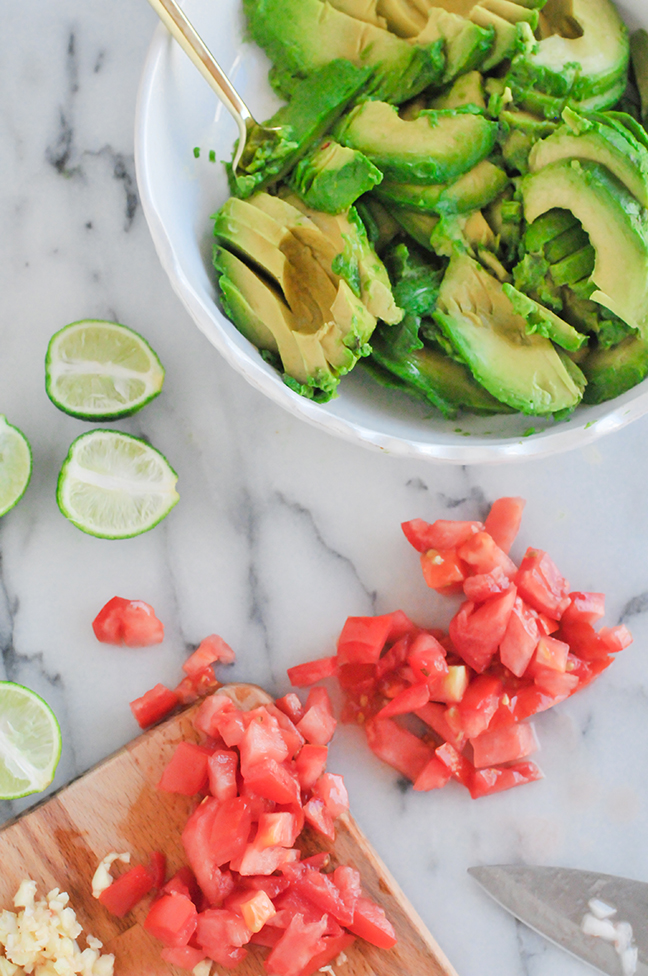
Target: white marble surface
(281, 531)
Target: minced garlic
(102, 877)
(41, 938)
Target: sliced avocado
(332, 177)
(516, 147)
(429, 374)
(566, 244)
(575, 267)
(528, 123)
(513, 12)
(610, 372)
(547, 227)
(522, 370)
(472, 191)
(402, 18)
(467, 89)
(617, 226)
(301, 36)
(588, 138)
(356, 257)
(466, 44)
(504, 217)
(419, 226)
(361, 10)
(353, 325)
(639, 55)
(380, 225)
(459, 233)
(585, 55)
(415, 278)
(437, 147)
(507, 36)
(543, 321)
(315, 105)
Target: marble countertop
(282, 530)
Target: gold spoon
(178, 24)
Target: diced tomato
(550, 653)
(255, 860)
(583, 640)
(208, 713)
(153, 705)
(450, 687)
(487, 781)
(347, 880)
(319, 817)
(157, 868)
(520, 638)
(479, 704)
(442, 534)
(222, 767)
(481, 587)
(435, 716)
(541, 585)
(124, 893)
(442, 568)
(291, 706)
(261, 740)
(335, 945)
(273, 781)
(546, 625)
(483, 555)
(273, 885)
(293, 902)
(457, 765)
(210, 650)
(362, 639)
(358, 679)
(371, 923)
(433, 776)
(320, 890)
(503, 745)
(318, 724)
(214, 834)
(268, 936)
(219, 926)
(584, 608)
(615, 638)
(532, 699)
(299, 945)
(130, 622)
(477, 632)
(255, 907)
(408, 700)
(186, 692)
(397, 747)
(310, 764)
(586, 671)
(303, 675)
(172, 919)
(556, 683)
(401, 626)
(287, 729)
(394, 657)
(503, 521)
(427, 658)
(186, 772)
(225, 955)
(331, 790)
(277, 830)
(186, 957)
(183, 882)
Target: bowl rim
(569, 435)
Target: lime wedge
(15, 465)
(99, 370)
(30, 742)
(115, 486)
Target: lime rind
(15, 465)
(30, 742)
(115, 486)
(98, 370)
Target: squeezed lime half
(30, 742)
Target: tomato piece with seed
(442, 568)
(477, 632)
(407, 700)
(442, 534)
(584, 608)
(153, 705)
(487, 781)
(479, 704)
(457, 765)
(541, 585)
(503, 521)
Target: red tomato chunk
(124, 893)
(130, 622)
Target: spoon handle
(177, 22)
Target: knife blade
(553, 902)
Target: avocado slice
(515, 13)
(467, 45)
(332, 177)
(472, 191)
(592, 138)
(419, 226)
(415, 278)
(356, 261)
(402, 18)
(610, 372)
(315, 105)
(508, 37)
(467, 89)
(430, 374)
(362, 10)
(522, 370)
(549, 225)
(617, 226)
(300, 36)
(379, 224)
(436, 147)
(584, 57)
(639, 56)
(543, 321)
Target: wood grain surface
(116, 807)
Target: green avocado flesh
(520, 369)
(436, 147)
(332, 177)
(610, 372)
(472, 191)
(301, 36)
(467, 45)
(617, 226)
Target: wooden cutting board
(116, 807)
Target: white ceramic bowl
(176, 112)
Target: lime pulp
(30, 742)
